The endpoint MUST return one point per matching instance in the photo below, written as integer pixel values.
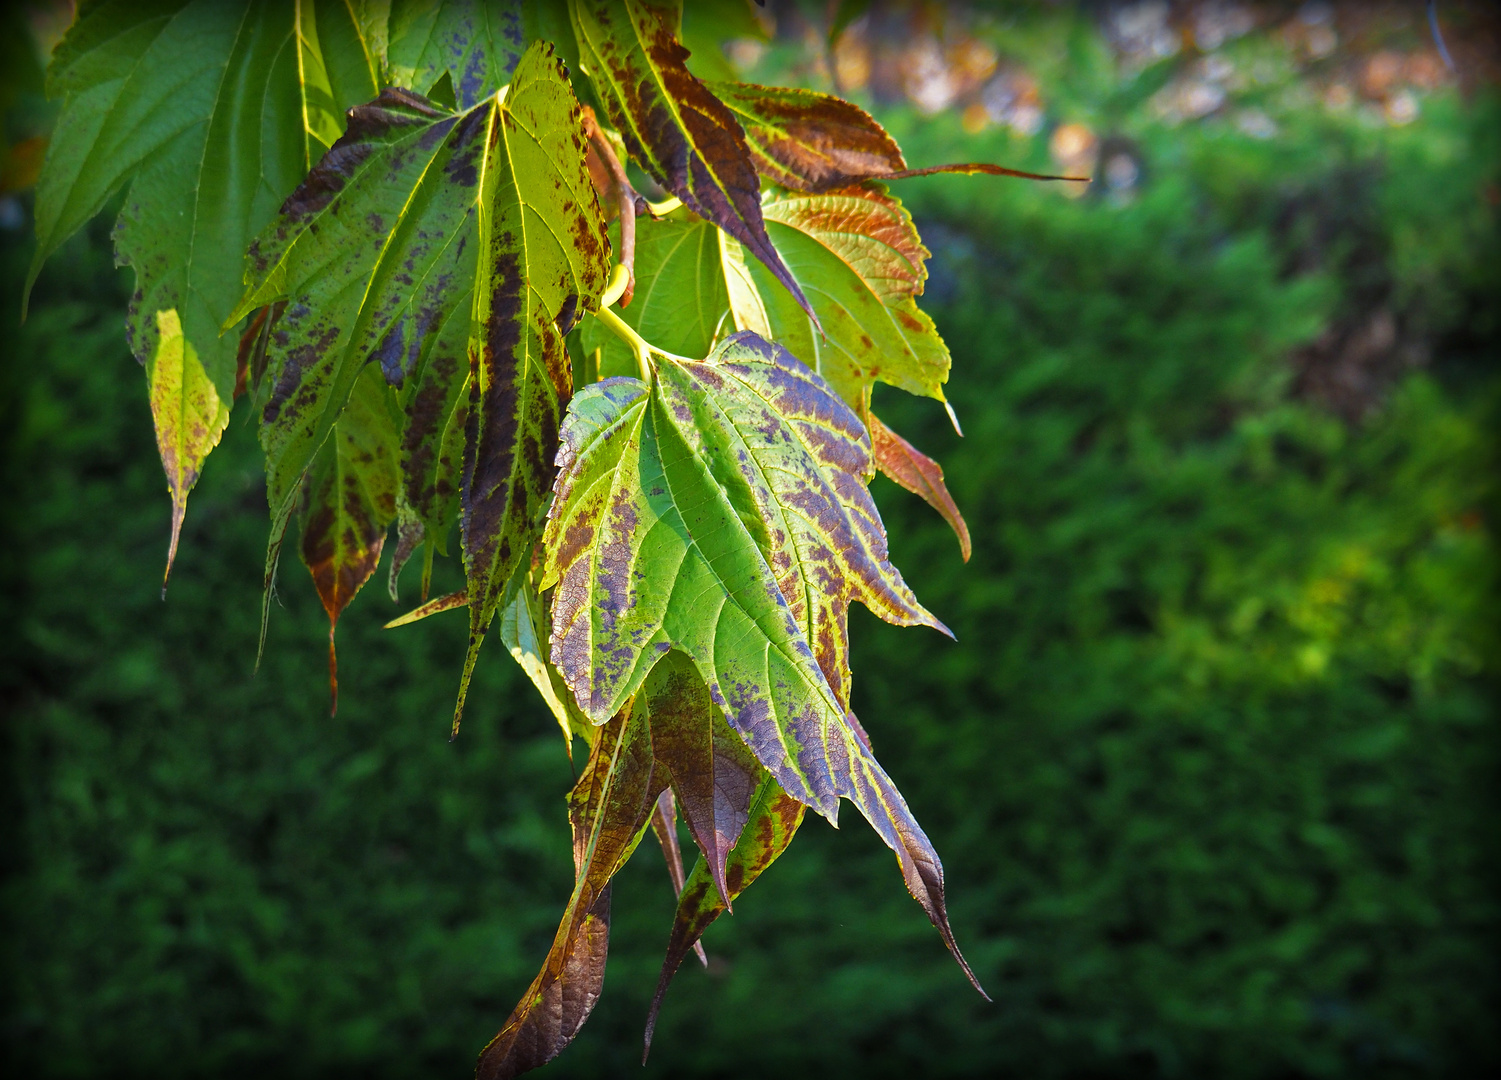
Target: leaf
(664, 823)
(709, 515)
(518, 630)
(773, 818)
(449, 602)
(348, 502)
(713, 772)
(864, 264)
(435, 407)
(608, 810)
(542, 246)
(672, 124)
(809, 141)
(476, 42)
(155, 98)
(189, 417)
(381, 252)
(912, 469)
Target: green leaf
(680, 303)
(713, 772)
(475, 42)
(417, 217)
(864, 265)
(672, 124)
(809, 141)
(912, 469)
(189, 417)
(349, 499)
(519, 625)
(542, 250)
(723, 513)
(608, 810)
(156, 97)
(772, 819)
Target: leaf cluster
(405, 235)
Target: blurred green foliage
(1212, 767)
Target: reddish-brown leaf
(664, 824)
(809, 141)
(608, 810)
(910, 468)
(713, 772)
(774, 818)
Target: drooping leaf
(683, 516)
(156, 96)
(379, 253)
(366, 254)
(189, 417)
(809, 141)
(713, 772)
(519, 625)
(435, 406)
(772, 820)
(664, 823)
(475, 42)
(912, 469)
(349, 500)
(864, 265)
(673, 125)
(541, 248)
(608, 810)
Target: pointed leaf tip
(913, 470)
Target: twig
(629, 202)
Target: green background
(1212, 766)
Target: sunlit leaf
(520, 624)
(349, 500)
(673, 125)
(541, 249)
(188, 414)
(809, 141)
(608, 810)
(919, 474)
(684, 516)
(863, 265)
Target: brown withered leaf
(773, 819)
(809, 141)
(910, 468)
(608, 810)
(673, 125)
(664, 823)
(349, 498)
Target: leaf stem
(638, 344)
